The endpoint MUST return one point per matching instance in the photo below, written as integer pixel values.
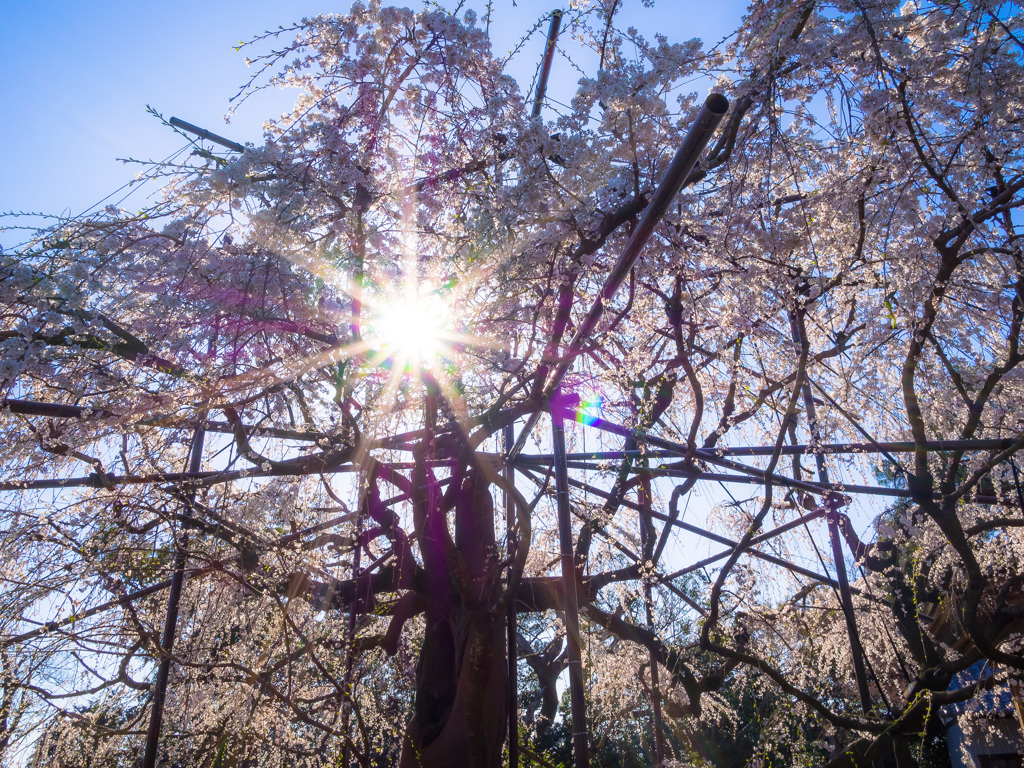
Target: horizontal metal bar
(87, 413)
(722, 477)
(704, 454)
(53, 410)
(759, 476)
(57, 410)
(821, 488)
(901, 446)
(789, 450)
(96, 481)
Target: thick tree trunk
(461, 703)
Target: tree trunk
(461, 703)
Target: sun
(413, 327)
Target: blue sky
(78, 77)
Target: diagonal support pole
(618, 544)
(202, 133)
(545, 68)
(711, 114)
(671, 522)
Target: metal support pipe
(572, 617)
(710, 456)
(752, 476)
(59, 411)
(171, 618)
(902, 446)
(843, 488)
(760, 538)
(202, 133)
(659, 729)
(545, 67)
(53, 410)
(711, 114)
(512, 693)
(799, 333)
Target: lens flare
(590, 408)
(412, 328)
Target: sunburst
(413, 328)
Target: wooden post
(513, 679)
(572, 611)
(1017, 691)
(348, 703)
(171, 618)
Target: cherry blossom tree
(281, 394)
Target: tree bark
(461, 703)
